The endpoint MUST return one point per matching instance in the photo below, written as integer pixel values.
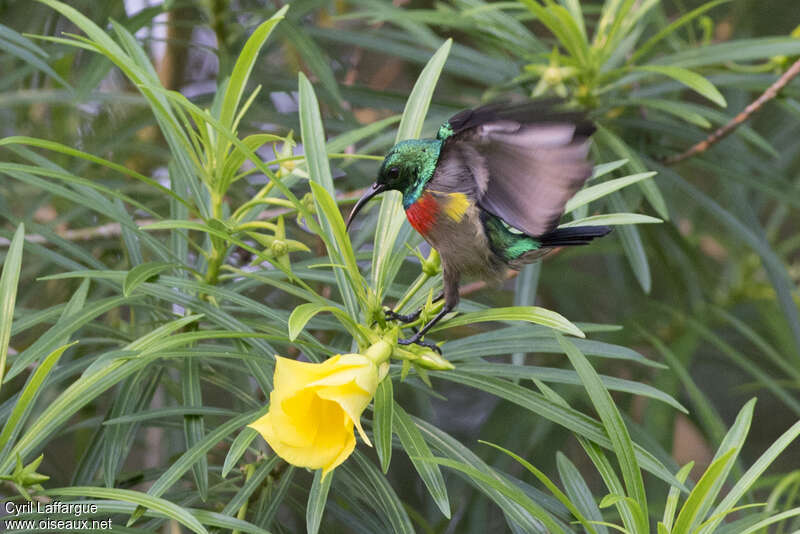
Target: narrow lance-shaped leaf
(171, 510)
(382, 422)
(531, 314)
(419, 452)
(690, 79)
(391, 219)
(614, 427)
(8, 293)
(317, 498)
(339, 247)
(28, 396)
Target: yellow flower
(313, 407)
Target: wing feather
(527, 160)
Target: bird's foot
(417, 340)
(407, 318)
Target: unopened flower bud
(434, 361)
(432, 264)
(278, 248)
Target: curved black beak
(376, 189)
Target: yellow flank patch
(456, 206)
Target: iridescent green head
(407, 168)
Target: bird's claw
(407, 318)
(416, 340)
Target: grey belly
(464, 247)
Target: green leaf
(244, 66)
(420, 455)
(342, 246)
(20, 46)
(70, 151)
(560, 22)
(674, 495)
(253, 482)
(602, 464)
(605, 168)
(678, 109)
(194, 425)
(690, 79)
(612, 219)
(527, 338)
(681, 21)
(589, 194)
(561, 414)
(739, 50)
(60, 332)
(162, 413)
(453, 449)
(733, 440)
(303, 313)
(386, 257)
(8, 292)
(141, 72)
(531, 314)
(317, 498)
(267, 514)
(578, 493)
(28, 396)
(381, 492)
(610, 140)
(485, 481)
(614, 427)
(144, 272)
(632, 246)
(107, 370)
(758, 527)
(134, 393)
(750, 476)
(238, 448)
(382, 422)
(775, 267)
(200, 449)
(525, 288)
(551, 487)
(171, 510)
(351, 137)
(703, 408)
(690, 514)
(336, 239)
(565, 376)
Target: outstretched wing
(525, 160)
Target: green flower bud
(552, 76)
(379, 352)
(434, 361)
(433, 264)
(279, 248)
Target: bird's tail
(575, 235)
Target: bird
(488, 192)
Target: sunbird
(488, 192)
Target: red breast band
(422, 213)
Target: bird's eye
(393, 173)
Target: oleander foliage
(171, 219)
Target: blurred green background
(712, 292)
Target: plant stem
(771, 92)
(242, 514)
(421, 279)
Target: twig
(771, 92)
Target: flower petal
(352, 399)
(292, 375)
